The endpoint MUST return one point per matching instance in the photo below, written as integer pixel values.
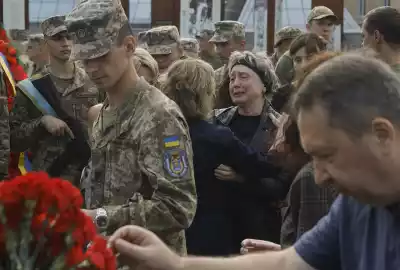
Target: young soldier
(229, 36)
(207, 49)
(320, 21)
(49, 116)
(190, 47)
(142, 168)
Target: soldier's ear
(129, 44)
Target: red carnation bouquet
(43, 227)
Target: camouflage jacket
(274, 58)
(4, 128)
(223, 99)
(38, 69)
(161, 80)
(142, 167)
(27, 131)
(212, 59)
(284, 69)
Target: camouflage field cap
(205, 34)
(287, 32)
(35, 39)
(140, 36)
(18, 34)
(321, 12)
(53, 25)
(190, 45)
(226, 30)
(94, 26)
(161, 40)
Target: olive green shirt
(285, 69)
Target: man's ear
(129, 44)
(384, 132)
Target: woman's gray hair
(260, 63)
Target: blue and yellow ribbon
(5, 66)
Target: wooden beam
(2, 10)
(165, 12)
(26, 15)
(270, 25)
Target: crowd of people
(195, 146)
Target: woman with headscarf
(307, 202)
(190, 83)
(254, 202)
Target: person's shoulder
(39, 76)
(221, 70)
(285, 58)
(220, 113)
(158, 105)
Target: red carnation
(46, 214)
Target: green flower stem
(25, 231)
(11, 242)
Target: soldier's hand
(56, 126)
(255, 245)
(142, 249)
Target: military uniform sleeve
(284, 69)
(166, 159)
(24, 124)
(4, 128)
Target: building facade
(358, 8)
(261, 17)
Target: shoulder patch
(175, 157)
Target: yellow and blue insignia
(175, 158)
(171, 142)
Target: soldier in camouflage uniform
(163, 43)
(4, 127)
(51, 137)
(229, 36)
(37, 53)
(320, 21)
(190, 47)
(283, 39)
(141, 41)
(207, 49)
(142, 167)
(19, 38)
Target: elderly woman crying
(254, 203)
(190, 83)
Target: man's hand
(254, 245)
(226, 173)
(142, 249)
(56, 126)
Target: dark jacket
(254, 203)
(214, 145)
(211, 231)
(267, 189)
